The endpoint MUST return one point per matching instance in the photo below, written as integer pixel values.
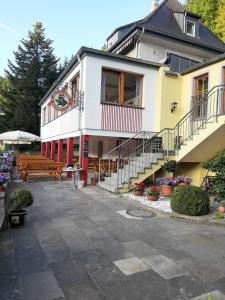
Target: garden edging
(199, 219)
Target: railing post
(109, 168)
(217, 103)
(177, 139)
(117, 176)
(99, 170)
(168, 145)
(143, 144)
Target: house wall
(215, 78)
(93, 108)
(156, 52)
(67, 125)
(169, 88)
(214, 140)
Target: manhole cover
(141, 213)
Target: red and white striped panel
(121, 118)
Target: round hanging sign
(61, 100)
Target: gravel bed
(163, 204)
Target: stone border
(201, 219)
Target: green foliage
(27, 80)
(212, 13)
(190, 201)
(170, 166)
(219, 216)
(21, 198)
(220, 20)
(207, 9)
(217, 165)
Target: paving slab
(214, 295)
(164, 266)
(106, 276)
(39, 286)
(139, 248)
(131, 265)
(205, 271)
(71, 239)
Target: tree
(29, 78)
(104, 47)
(207, 9)
(212, 13)
(220, 20)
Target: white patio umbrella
(16, 143)
(19, 136)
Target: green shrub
(219, 216)
(217, 166)
(21, 198)
(190, 201)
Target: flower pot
(94, 181)
(17, 218)
(183, 184)
(221, 209)
(153, 198)
(2, 188)
(167, 190)
(138, 193)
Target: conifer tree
(29, 78)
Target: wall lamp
(173, 106)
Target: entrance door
(200, 95)
(100, 149)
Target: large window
(178, 63)
(121, 88)
(200, 100)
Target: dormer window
(190, 28)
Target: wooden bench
(44, 169)
(22, 164)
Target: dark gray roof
(162, 21)
(90, 51)
(209, 62)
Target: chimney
(155, 4)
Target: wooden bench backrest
(42, 166)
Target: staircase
(145, 153)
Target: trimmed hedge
(190, 200)
(21, 198)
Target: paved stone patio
(82, 245)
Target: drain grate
(141, 213)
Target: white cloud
(8, 28)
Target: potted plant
(20, 199)
(171, 166)
(139, 189)
(167, 186)
(221, 207)
(183, 180)
(153, 193)
(4, 177)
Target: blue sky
(69, 23)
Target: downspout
(138, 40)
(185, 17)
(80, 113)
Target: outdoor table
(73, 171)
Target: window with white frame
(190, 28)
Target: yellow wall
(180, 89)
(169, 90)
(215, 78)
